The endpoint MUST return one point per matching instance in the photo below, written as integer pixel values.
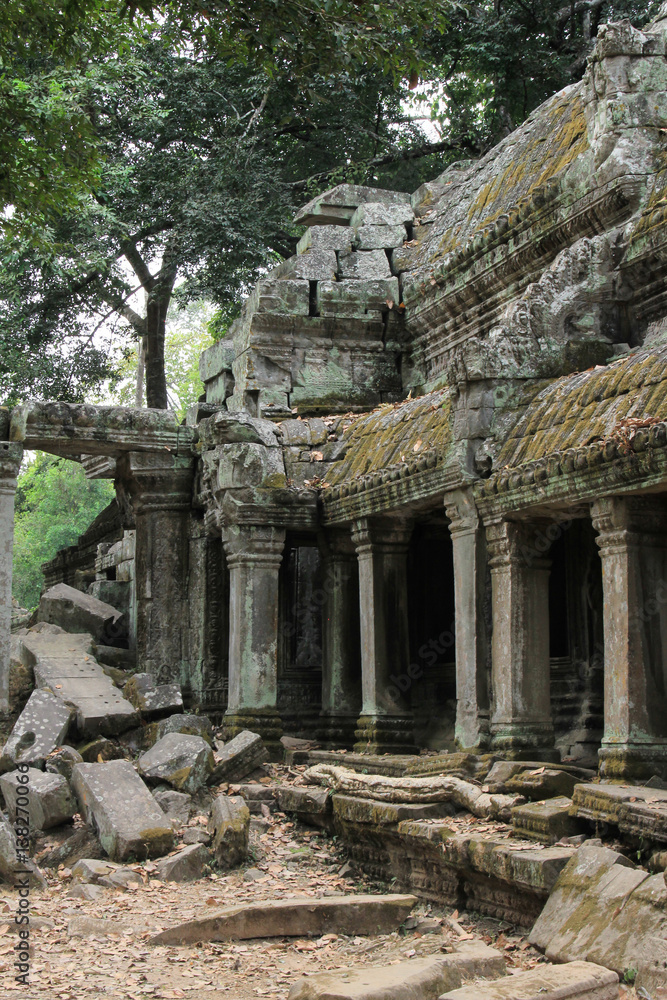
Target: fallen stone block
(312, 805)
(101, 927)
(14, 863)
(636, 810)
(652, 967)
(418, 979)
(195, 835)
(49, 800)
(186, 866)
(294, 918)
(64, 666)
(115, 800)
(41, 727)
(256, 795)
(82, 843)
(176, 805)
(188, 725)
(91, 893)
(62, 761)
(153, 699)
(547, 821)
(122, 878)
(185, 762)
(93, 870)
(541, 783)
(230, 826)
(75, 611)
(601, 910)
(242, 755)
(557, 982)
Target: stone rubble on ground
(362, 914)
(50, 802)
(151, 699)
(230, 826)
(75, 612)
(129, 821)
(39, 730)
(184, 762)
(238, 758)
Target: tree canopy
(156, 151)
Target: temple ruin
(422, 504)
(418, 519)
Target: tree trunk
(141, 357)
(156, 382)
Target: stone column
(632, 538)
(341, 643)
(472, 646)
(521, 725)
(385, 724)
(160, 487)
(254, 554)
(11, 453)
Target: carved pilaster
(160, 490)
(254, 554)
(341, 642)
(632, 538)
(470, 572)
(385, 725)
(521, 723)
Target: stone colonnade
(366, 566)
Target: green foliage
(202, 166)
(55, 503)
(499, 59)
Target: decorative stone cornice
(462, 512)
(579, 474)
(157, 482)
(380, 535)
(256, 544)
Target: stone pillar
(341, 643)
(160, 487)
(521, 725)
(385, 724)
(472, 646)
(254, 554)
(632, 538)
(11, 453)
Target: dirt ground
(286, 861)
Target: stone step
(294, 918)
(418, 979)
(550, 982)
(636, 810)
(547, 821)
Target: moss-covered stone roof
(460, 203)
(604, 402)
(414, 433)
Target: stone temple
(424, 501)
